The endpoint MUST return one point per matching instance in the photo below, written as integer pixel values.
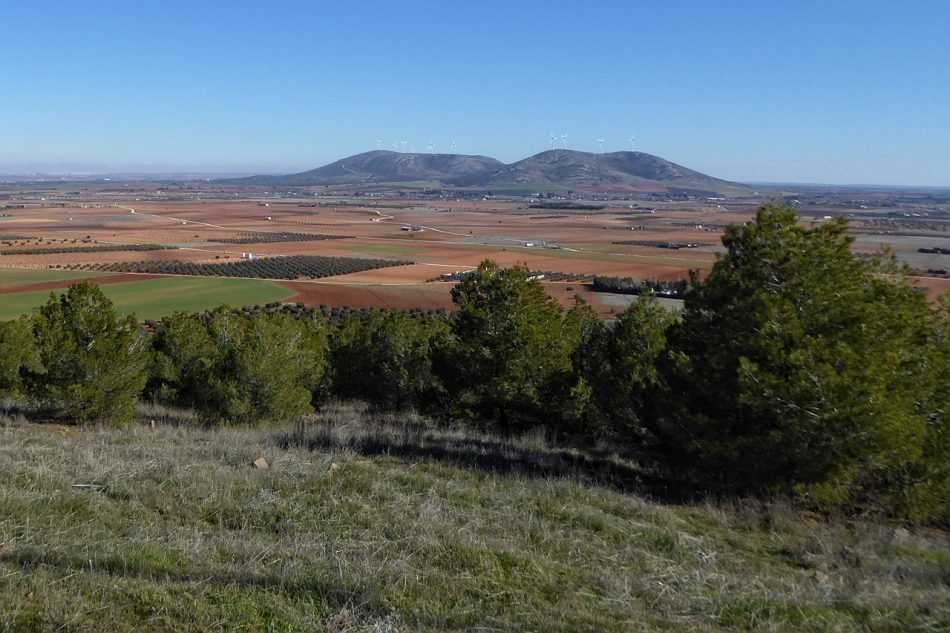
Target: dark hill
(385, 166)
(581, 171)
(616, 171)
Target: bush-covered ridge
(289, 267)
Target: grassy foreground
(375, 523)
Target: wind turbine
(430, 147)
(404, 143)
(564, 139)
(453, 145)
(600, 142)
(378, 143)
(631, 142)
(396, 146)
(552, 140)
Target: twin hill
(580, 171)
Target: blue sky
(836, 91)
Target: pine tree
(94, 361)
(511, 354)
(803, 367)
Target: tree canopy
(91, 362)
(801, 365)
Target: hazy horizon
(845, 92)
(145, 171)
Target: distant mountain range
(580, 171)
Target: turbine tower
(379, 143)
(600, 142)
(453, 146)
(564, 139)
(404, 144)
(430, 147)
(631, 142)
(553, 138)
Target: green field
(19, 276)
(154, 298)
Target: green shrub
(386, 360)
(93, 362)
(801, 367)
(237, 369)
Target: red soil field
(425, 296)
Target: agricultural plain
(70, 233)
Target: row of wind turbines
(600, 142)
(430, 146)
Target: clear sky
(831, 91)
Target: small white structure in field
(267, 217)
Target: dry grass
(381, 523)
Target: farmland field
(18, 276)
(219, 228)
(156, 297)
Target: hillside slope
(581, 171)
(384, 524)
(616, 171)
(386, 166)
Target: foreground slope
(386, 525)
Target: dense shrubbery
(236, 369)
(290, 267)
(794, 368)
(386, 359)
(89, 365)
